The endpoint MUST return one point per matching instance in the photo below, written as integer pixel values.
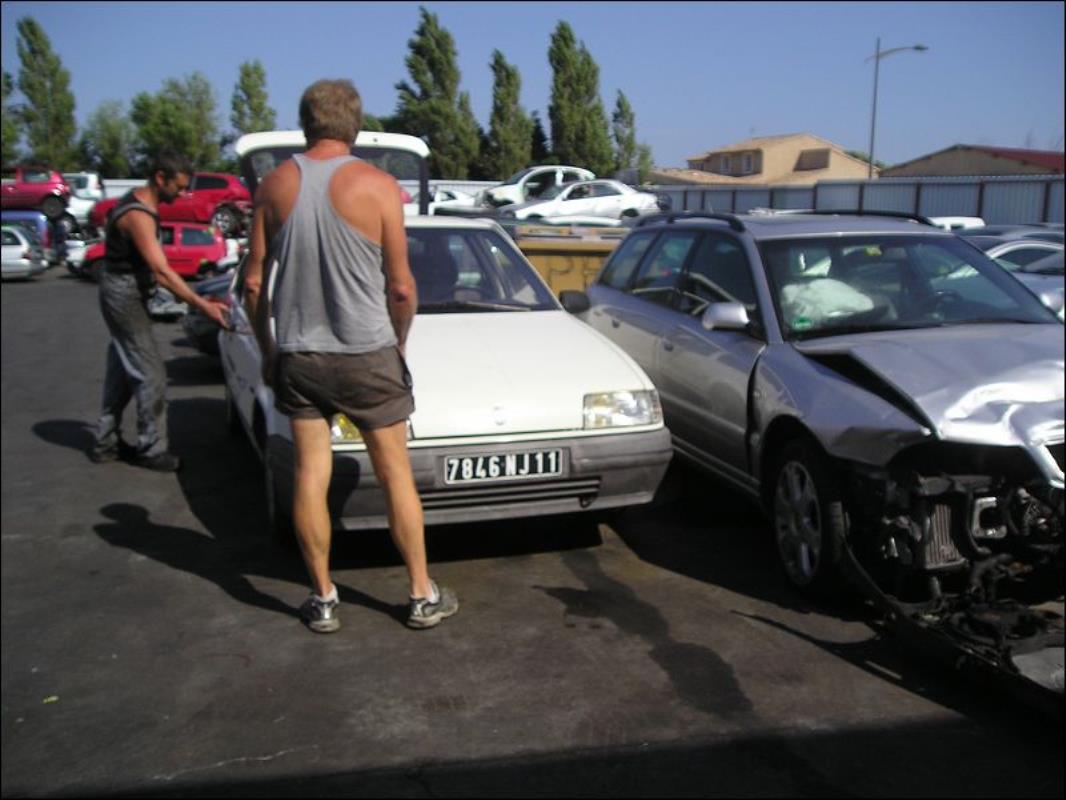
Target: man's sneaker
(163, 462)
(320, 615)
(120, 452)
(425, 614)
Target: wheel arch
(781, 431)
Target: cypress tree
(12, 130)
(509, 143)
(580, 134)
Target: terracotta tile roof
(1040, 158)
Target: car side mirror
(575, 302)
(725, 317)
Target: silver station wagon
(891, 396)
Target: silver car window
(660, 273)
(719, 273)
(620, 267)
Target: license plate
(503, 466)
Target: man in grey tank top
(343, 299)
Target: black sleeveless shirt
(120, 253)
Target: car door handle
(615, 323)
(667, 344)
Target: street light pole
(877, 56)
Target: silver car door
(608, 293)
(704, 374)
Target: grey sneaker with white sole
(320, 615)
(424, 614)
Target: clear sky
(698, 75)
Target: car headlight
(343, 431)
(622, 409)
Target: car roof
(775, 226)
(469, 223)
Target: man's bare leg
(310, 511)
(392, 464)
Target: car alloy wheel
(808, 519)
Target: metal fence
(996, 199)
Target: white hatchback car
(22, 258)
(521, 409)
(600, 198)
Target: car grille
(1056, 453)
(584, 490)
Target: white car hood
(498, 373)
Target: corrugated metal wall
(997, 199)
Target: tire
(809, 521)
(630, 212)
(226, 220)
(69, 225)
(53, 207)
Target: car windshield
(830, 286)
(517, 176)
(471, 270)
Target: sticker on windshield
(802, 324)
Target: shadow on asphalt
(937, 759)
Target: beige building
(971, 159)
(800, 159)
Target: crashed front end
(965, 542)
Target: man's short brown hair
(331, 109)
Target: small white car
(21, 258)
(531, 183)
(448, 198)
(521, 409)
(609, 199)
(86, 189)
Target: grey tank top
(329, 292)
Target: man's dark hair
(170, 163)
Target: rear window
(11, 238)
(36, 176)
(197, 236)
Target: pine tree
(250, 107)
(48, 113)
(580, 133)
(509, 141)
(12, 129)
(539, 152)
(431, 107)
(624, 128)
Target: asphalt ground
(151, 646)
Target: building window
(725, 165)
(747, 164)
(812, 159)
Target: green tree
(250, 107)
(430, 105)
(372, 123)
(182, 117)
(862, 155)
(106, 144)
(624, 128)
(579, 123)
(644, 162)
(12, 129)
(48, 113)
(539, 152)
(509, 143)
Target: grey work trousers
(135, 368)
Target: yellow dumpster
(567, 258)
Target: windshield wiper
(469, 305)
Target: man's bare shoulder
(371, 176)
(280, 179)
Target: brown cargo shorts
(372, 389)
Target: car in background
(1047, 233)
(530, 183)
(522, 409)
(50, 235)
(213, 198)
(86, 190)
(448, 198)
(1027, 259)
(609, 199)
(901, 424)
(22, 257)
(192, 251)
(957, 223)
(35, 188)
